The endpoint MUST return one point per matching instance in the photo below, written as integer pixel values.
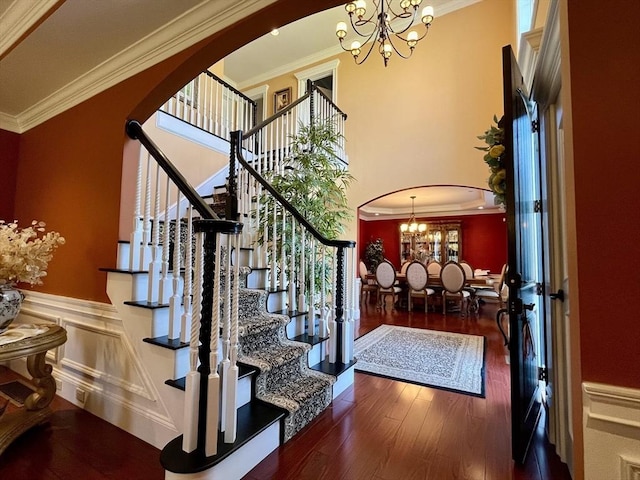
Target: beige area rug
(449, 361)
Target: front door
(525, 256)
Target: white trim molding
(611, 423)
(99, 368)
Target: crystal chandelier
(385, 26)
(412, 226)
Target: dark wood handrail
(237, 135)
(134, 130)
(229, 87)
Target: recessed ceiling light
(376, 214)
(480, 207)
(275, 32)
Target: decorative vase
(10, 303)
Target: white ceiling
(54, 54)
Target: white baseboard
(611, 423)
(99, 364)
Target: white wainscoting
(99, 364)
(611, 422)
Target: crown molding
(194, 25)
(19, 18)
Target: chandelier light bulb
(427, 15)
(355, 48)
(341, 30)
(415, 3)
(404, 4)
(412, 39)
(350, 7)
(387, 50)
(361, 8)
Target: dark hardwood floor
(379, 429)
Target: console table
(32, 342)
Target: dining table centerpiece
(25, 254)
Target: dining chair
(434, 267)
(417, 278)
(494, 293)
(453, 282)
(366, 286)
(468, 270)
(386, 279)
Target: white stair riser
(276, 301)
(244, 391)
(122, 256)
(317, 353)
(343, 381)
(257, 279)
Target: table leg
(45, 384)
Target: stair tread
(310, 339)
(334, 369)
(243, 371)
(253, 418)
(145, 304)
(290, 313)
(166, 342)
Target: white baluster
(185, 324)
(155, 263)
(165, 282)
(226, 339)
(323, 327)
(145, 252)
(135, 245)
(302, 298)
(192, 386)
(311, 321)
(177, 320)
(333, 346)
(292, 274)
(213, 382)
(232, 375)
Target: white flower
(25, 253)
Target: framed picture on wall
(281, 99)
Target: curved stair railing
(291, 248)
(190, 284)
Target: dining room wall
(484, 238)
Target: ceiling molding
(440, 213)
(196, 24)
(19, 18)
(548, 77)
(528, 55)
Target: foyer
(377, 429)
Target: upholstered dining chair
(366, 286)
(386, 279)
(494, 293)
(417, 277)
(468, 270)
(434, 267)
(453, 280)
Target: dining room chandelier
(385, 27)
(413, 227)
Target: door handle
(529, 306)
(559, 295)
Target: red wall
(484, 238)
(606, 154)
(9, 149)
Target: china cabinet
(442, 242)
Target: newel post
(340, 279)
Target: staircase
(246, 348)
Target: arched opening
(482, 237)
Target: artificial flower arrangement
(494, 158)
(25, 253)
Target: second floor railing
(210, 103)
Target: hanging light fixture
(385, 26)
(412, 226)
